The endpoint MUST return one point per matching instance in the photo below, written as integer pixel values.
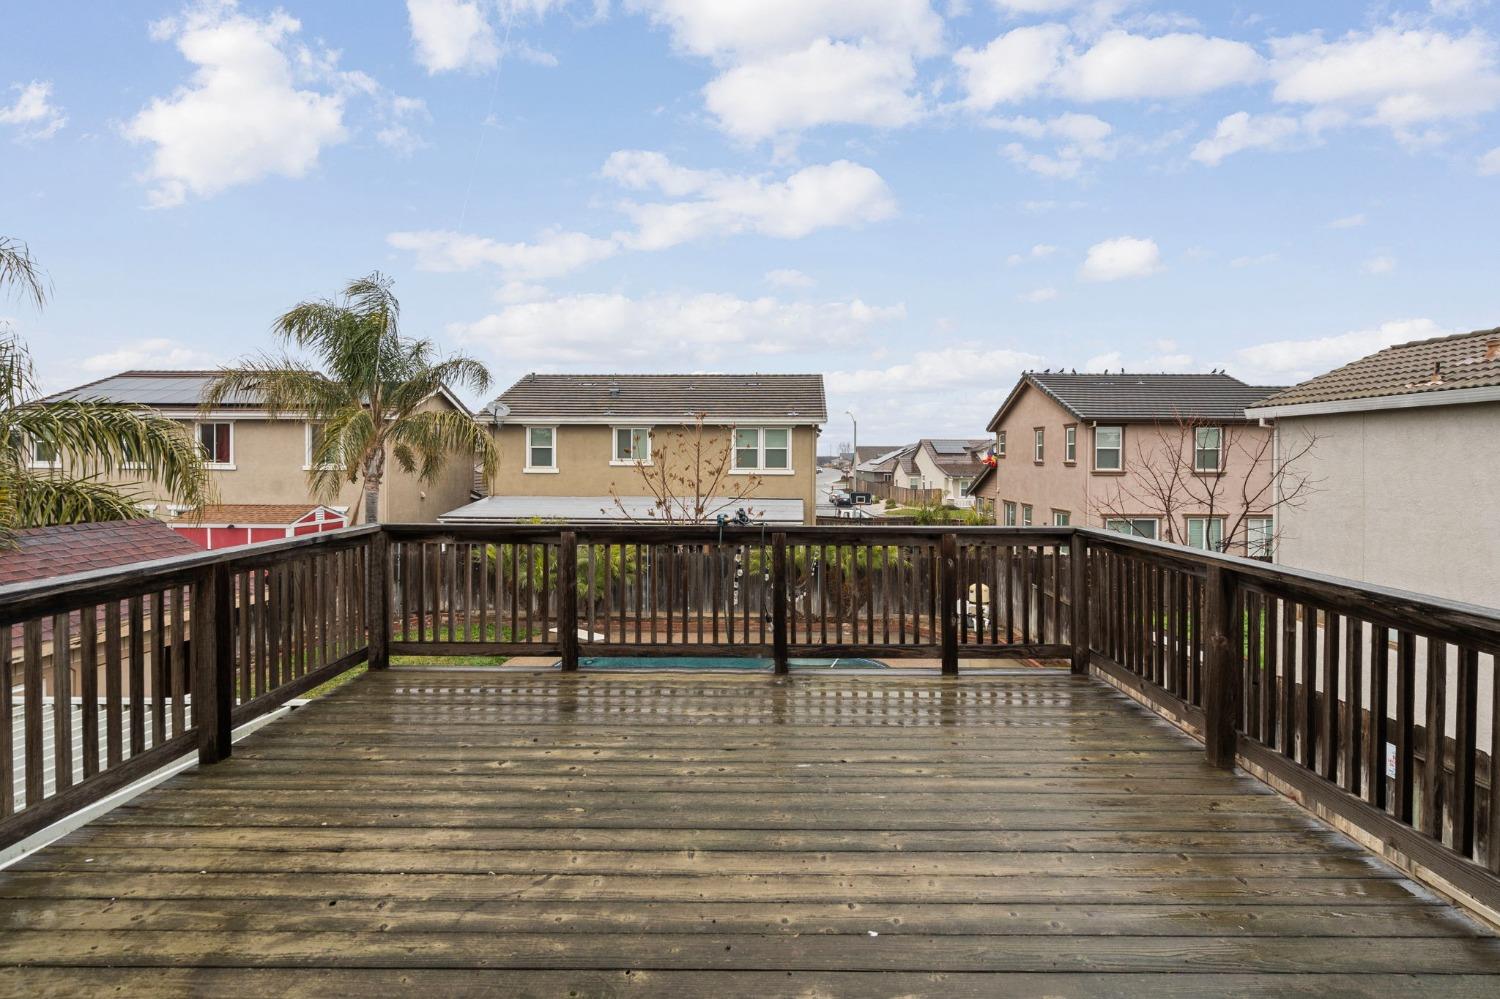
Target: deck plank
(466, 833)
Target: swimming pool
(717, 663)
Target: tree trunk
(373, 474)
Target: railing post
(948, 596)
(567, 600)
(213, 662)
(1221, 677)
(379, 597)
(778, 602)
(1078, 554)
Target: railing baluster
(1406, 693)
(88, 683)
(1465, 731)
(1221, 687)
(1434, 768)
(32, 708)
(1380, 711)
(62, 703)
(7, 722)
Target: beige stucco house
(1405, 450)
(599, 447)
(1170, 457)
(255, 459)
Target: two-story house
(258, 464)
(600, 448)
(1166, 456)
(1404, 448)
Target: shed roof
(606, 398)
(43, 552)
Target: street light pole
(854, 459)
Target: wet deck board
(659, 834)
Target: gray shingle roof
(613, 397)
(1443, 364)
(149, 388)
(1144, 397)
(955, 457)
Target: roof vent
(1492, 351)
(1437, 374)
(614, 389)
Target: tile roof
(42, 552)
(614, 397)
(263, 514)
(1442, 364)
(1143, 397)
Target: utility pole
(854, 460)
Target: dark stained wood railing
(110, 675)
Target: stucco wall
(1404, 498)
(584, 469)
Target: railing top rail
(688, 532)
(21, 601)
(1450, 620)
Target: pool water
(718, 663)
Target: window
(767, 449)
(1061, 518)
(1070, 444)
(1139, 527)
(1208, 449)
(217, 441)
(541, 449)
(961, 486)
(1109, 449)
(632, 445)
(1206, 533)
(315, 447)
(915, 482)
(44, 454)
(1259, 532)
(1038, 439)
(1000, 444)
(1010, 514)
(1025, 514)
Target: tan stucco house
(255, 459)
(595, 447)
(1167, 456)
(1405, 448)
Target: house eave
(1413, 400)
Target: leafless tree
(690, 477)
(1252, 479)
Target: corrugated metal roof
(1144, 397)
(150, 388)
(614, 397)
(600, 510)
(1442, 364)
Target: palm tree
(368, 400)
(84, 443)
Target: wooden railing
(706, 591)
(1376, 707)
(110, 675)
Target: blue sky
(918, 199)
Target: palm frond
(19, 270)
(44, 500)
(282, 385)
(433, 435)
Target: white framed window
(766, 450)
(1070, 444)
(217, 442)
(1010, 514)
(1061, 518)
(632, 446)
(1000, 444)
(1206, 533)
(315, 446)
(1038, 444)
(1208, 449)
(1025, 514)
(915, 482)
(1260, 535)
(1139, 527)
(43, 454)
(1109, 449)
(541, 449)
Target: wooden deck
(453, 833)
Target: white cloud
(719, 28)
(950, 390)
(1489, 163)
(554, 253)
(153, 353)
(816, 197)
(1123, 66)
(1400, 79)
(1080, 137)
(1380, 265)
(1117, 259)
(452, 34)
(258, 104)
(1013, 67)
(33, 114)
(1285, 362)
(1038, 295)
(1349, 222)
(829, 82)
(1169, 362)
(788, 278)
(1243, 130)
(1040, 251)
(704, 328)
